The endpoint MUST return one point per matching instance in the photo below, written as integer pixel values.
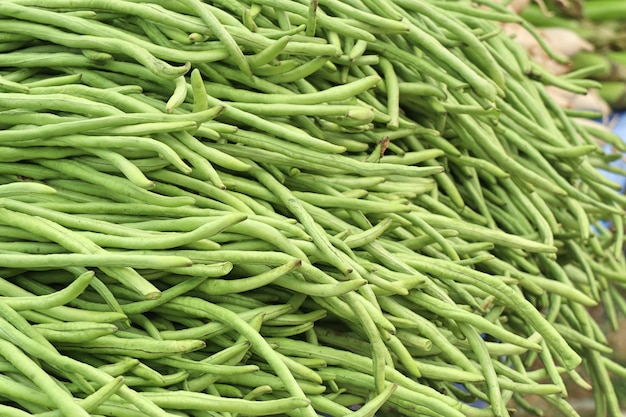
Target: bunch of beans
(292, 207)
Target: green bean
(504, 160)
(69, 220)
(199, 93)
(94, 400)
(285, 330)
(425, 227)
(203, 367)
(148, 348)
(202, 168)
(299, 72)
(12, 86)
(95, 28)
(424, 403)
(63, 313)
(59, 298)
(333, 94)
(111, 260)
(149, 12)
(393, 93)
(430, 331)
(305, 218)
(289, 133)
(208, 402)
(26, 365)
(303, 148)
(178, 96)
(158, 67)
(21, 324)
(539, 73)
(131, 171)
(619, 235)
(334, 356)
(485, 60)
(13, 189)
(527, 386)
(218, 287)
(565, 352)
(27, 396)
(75, 169)
(563, 289)
(142, 129)
(81, 126)
(231, 319)
(604, 382)
(332, 161)
(31, 247)
(231, 355)
(370, 408)
(275, 109)
(23, 117)
(62, 235)
(211, 154)
(445, 309)
(222, 34)
(519, 198)
(469, 231)
(480, 164)
(322, 20)
(120, 142)
(493, 384)
(353, 204)
(97, 55)
(269, 53)
(13, 412)
(59, 102)
(278, 68)
(581, 339)
(367, 236)
(119, 368)
(74, 332)
(163, 241)
(419, 89)
(320, 290)
(392, 25)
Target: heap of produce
(282, 207)
(595, 34)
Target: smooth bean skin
(206, 402)
(219, 287)
(74, 332)
(47, 301)
(76, 259)
(147, 348)
(158, 67)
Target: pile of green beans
(293, 207)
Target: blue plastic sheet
(618, 121)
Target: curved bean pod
(157, 66)
(219, 287)
(200, 401)
(56, 299)
(74, 332)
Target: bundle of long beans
(601, 24)
(276, 207)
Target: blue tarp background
(619, 128)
